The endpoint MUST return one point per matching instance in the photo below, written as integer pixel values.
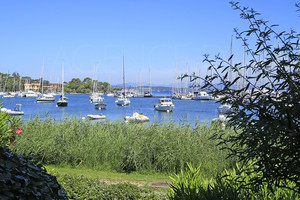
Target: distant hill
(145, 85)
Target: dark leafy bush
(264, 96)
(21, 178)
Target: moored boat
(122, 101)
(100, 116)
(16, 111)
(100, 106)
(62, 102)
(136, 117)
(202, 95)
(164, 104)
(45, 98)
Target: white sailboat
(95, 97)
(62, 102)
(148, 92)
(44, 98)
(123, 100)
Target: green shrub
(21, 178)
(80, 187)
(188, 184)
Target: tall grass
(122, 147)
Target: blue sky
(155, 34)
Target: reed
(123, 147)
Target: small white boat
(202, 95)
(164, 104)
(8, 96)
(100, 106)
(100, 116)
(45, 98)
(21, 94)
(186, 97)
(136, 117)
(110, 94)
(31, 93)
(122, 101)
(96, 98)
(16, 111)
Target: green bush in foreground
(80, 187)
(21, 178)
(189, 184)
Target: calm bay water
(79, 106)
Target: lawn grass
(110, 176)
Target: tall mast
(62, 79)
(42, 79)
(150, 89)
(124, 75)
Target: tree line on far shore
(15, 82)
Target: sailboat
(44, 98)
(149, 92)
(123, 100)
(62, 102)
(95, 97)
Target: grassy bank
(109, 176)
(143, 148)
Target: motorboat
(110, 94)
(100, 106)
(137, 117)
(187, 97)
(21, 94)
(100, 116)
(147, 94)
(164, 104)
(122, 101)
(202, 95)
(31, 93)
(45, 98)
(8, 96)
(16, 111)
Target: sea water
(185, 111)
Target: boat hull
(45, 100)
(62, 103)
(96, 117)
(164, 108)
(100, 106)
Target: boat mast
(62, 79)
(124, 75)
(150, 89)
(42, 79)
